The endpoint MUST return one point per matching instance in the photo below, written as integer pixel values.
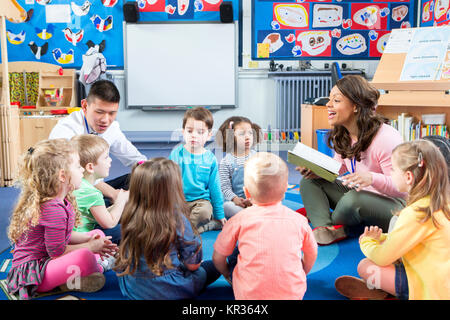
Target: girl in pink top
(276, 245)
(363, 143)
(47, 253)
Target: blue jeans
(115, 233)
(401, 282)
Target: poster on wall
(326, 29)
(62, 32)
(434, 13)
(201, 10)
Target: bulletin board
(327, 29)
(173, 10)
(434, 13)
(64, 42)
(58, 31)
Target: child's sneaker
(107, 263)
(211, 225)
(91, 283)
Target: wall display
(434, 13)
(327, 29)
(59, 30)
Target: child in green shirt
(94, 158)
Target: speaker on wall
(131, 11)
(226, 12)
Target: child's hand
(122, 196)
(372, 232)
(102, 245)
(248, 203)
(223, 221)
(239, 201)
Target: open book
(318, 162)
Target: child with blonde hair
(237, 136)
(94, 158)
(276, 247)
(160, 253)
(47, 252)
(419, 238)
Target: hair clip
(420, 160)
(140, 162)
(30, 150)
(231, 125)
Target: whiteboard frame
(178, 106)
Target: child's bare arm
(109, 217)
(220, 262)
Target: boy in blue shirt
(199, 171)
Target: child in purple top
(47, 253)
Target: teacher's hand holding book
(306, 173)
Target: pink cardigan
(377, 160)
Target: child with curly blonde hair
(47, 253)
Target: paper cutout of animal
(102, 24)
(94, 63)
(46, 33)
(109, 3)
(80, 10)
(15, 38)
(63, 58)
(73, 37)
(38, 51)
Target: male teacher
(97, 116)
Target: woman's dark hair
(365, 97)
(104, 90)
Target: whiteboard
(180, 64)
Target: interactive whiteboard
(179, 65)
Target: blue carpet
(332, 261)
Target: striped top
(226, 172)
(49, 237)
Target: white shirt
(74, 124)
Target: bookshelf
(411, 98)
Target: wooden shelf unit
(412, 97)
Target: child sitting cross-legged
(94, 158)
(47, 252)
(276, 246)
(413, 260)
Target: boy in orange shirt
(276, 246)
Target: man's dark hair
(104, 90)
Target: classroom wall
(256, 101)
(256, 92)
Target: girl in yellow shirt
(419, 239)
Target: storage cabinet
(313, 118)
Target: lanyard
(87, 127)
(353, 163)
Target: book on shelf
(412, 129)
(321, 164)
